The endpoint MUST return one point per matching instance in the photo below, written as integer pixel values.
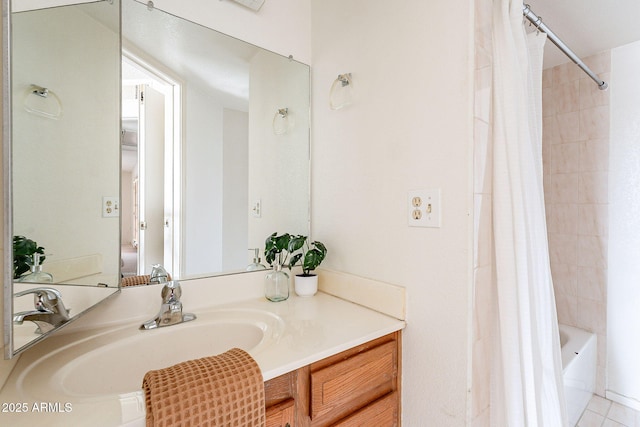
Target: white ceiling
(587, 26)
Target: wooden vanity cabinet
(355, 387)
(281, 414)
(281, 399)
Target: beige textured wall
(410, 127)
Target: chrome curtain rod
(537, 22)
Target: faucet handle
(171, 292)
(50, 293)
(171, 309)
(47, 300)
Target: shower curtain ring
(538, 23)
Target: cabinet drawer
(382, 412)
(281, 415)
(346, 386)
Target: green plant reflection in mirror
(23, 252)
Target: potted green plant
(23, 250)
(312, 253)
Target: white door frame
(163, 80)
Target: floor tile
(622, 414)
(599, 405)
(590, 419)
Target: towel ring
(282, 121)
(43, 102)
(341, 92)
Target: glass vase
(276, 284)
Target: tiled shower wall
(576, 157)
(483, 303)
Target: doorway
(151, 159)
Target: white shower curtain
(526, 387)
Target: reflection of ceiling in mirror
(194, 52)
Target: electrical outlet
(256, 208)
(110, 207)
(424, 208)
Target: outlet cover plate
(110, 207)
(423, 208)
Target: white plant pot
(306, 286)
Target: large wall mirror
(215, 146)
(61, 162)
(137, 140)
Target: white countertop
(316, 328)
(313, 329)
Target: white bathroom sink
(114, 361)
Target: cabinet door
(281, 415)
(342, 388)
(382, 412)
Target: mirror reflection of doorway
(150, 152)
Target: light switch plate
(110, 207)
(256, 208)
(423, 208)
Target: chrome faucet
(49, 311)
(171, 308)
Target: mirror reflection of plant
(23, 250)
(311, 253)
